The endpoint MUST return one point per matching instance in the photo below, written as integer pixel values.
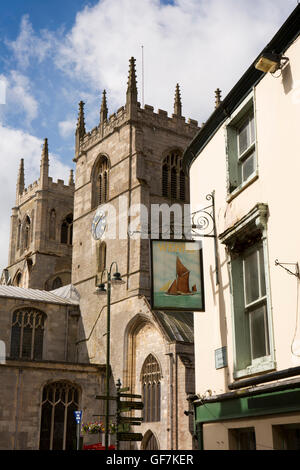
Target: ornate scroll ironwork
(204, 225)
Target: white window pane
(262, 272)
(248, 167)
(258, 333)
(243, 137)
(251, 278)
(252, 130)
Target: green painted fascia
(256, 405)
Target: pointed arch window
(174, 180)
(58, 426)
(27, 334)
(66, 231)
(57, 283)
(100, 182)
(150, 378)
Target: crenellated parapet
(132, 112)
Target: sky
(55, 53)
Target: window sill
(242, 186)
(265, 365)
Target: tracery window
(66, 232)
(173, 177)
(100, 182)
(150, 378)
(27, 334)
(58, 426)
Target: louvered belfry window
(58, 425)
(150, 377)
(100, 182)
(173, 177)
(27, 334)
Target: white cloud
(202, 45)
(19, 98)
(14, 145)
(28, 45)
(67, 128)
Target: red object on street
(97, 446)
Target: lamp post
(116, 279)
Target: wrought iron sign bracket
(204, 225)
(297, 273)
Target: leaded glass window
(150, 377)
(58, 426)
(27, 334)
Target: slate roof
(38, 295)
(179, 326)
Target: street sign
(129, 395)
(131, 405)
(129, 436)
(104, 397)
(78, 416)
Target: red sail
(183, 275)
(194, 288)
(183, 283)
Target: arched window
(18, 279)
(27, 334)
(58, 425)
(150, 378)
(57, 283)
(26, 233)
(100, 182)
(66, 231)
(101, 256)
(52, 225)
(173, 178)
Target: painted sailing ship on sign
(177, 275)
(180, 286)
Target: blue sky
(55, 53)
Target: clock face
(98, 224)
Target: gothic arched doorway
(58, 425)
(149, 442)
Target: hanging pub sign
(177, 275)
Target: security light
(269, 62)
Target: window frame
(255, 222)
(235, 180)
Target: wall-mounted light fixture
(270, 62)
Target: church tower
(41, 231)
(133, 158)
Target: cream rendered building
(59, 337)
(248, 386)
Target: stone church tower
(41, 231)
(133, 158)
